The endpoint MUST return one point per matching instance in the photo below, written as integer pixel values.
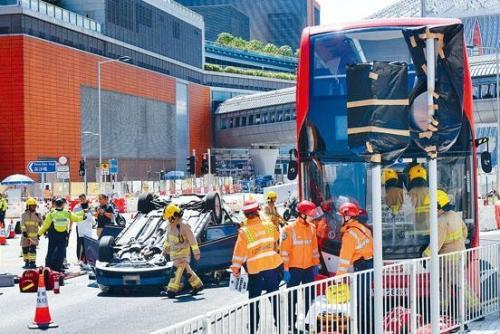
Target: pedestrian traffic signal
(204, 165)
(82, 168)
(213, 164)
(191, 165)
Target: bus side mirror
(293, 167)
(486, 162)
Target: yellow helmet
(170, 210)
(31, 201)
(442, 199)
(271, 196)
(390, 174)
(416, 172)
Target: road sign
(113, 166)
(42, 167)
(62, 160)
(62, 172)
(105, 168)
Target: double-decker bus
(328, 170)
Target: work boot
(26, 265)
(197, 290)
(32, 265)
(169, 294)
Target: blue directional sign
(42, 167)
(113, 166)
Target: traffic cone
(3, 237)
(42, 318)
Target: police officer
(357, 251)
(30, 221)
(256, 247)
(300, 254)
(58, 225)
(270, 210)
(178, 245)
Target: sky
(335, 11)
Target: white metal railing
(469, 290)
(62, 14)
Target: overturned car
(134, 257)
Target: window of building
(257, 119)
(243, 121)
(475, 92)
(176, 30)
(223, 122)
(250, 120)
(231, 122)
(280, 116)
(237, 122)
(294, 115)
(272, 117)
(287, 114)
(263, 118)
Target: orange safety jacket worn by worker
(357, 244)
(299, 245)
(257, 246)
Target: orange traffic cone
(42, 318)
(3, 237)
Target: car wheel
(145, 203)
(105, 249)
(214, 204)
(18, 227)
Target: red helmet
(250, 206)
(349, 209)
(306, 208)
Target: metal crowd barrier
(469, 290)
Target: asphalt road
(81, 308)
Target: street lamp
(122, 59)
(497, 61)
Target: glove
(315, 271)
(286, 276)
(25, 234)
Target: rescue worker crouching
(270, 210)
(178, 245)
(357, 250)
(300, 254)
(58, 224)
(30, 221)
(256, 247)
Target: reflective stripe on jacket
(60, 219)
(357, 244)
(257, 247)
(452, 233)
(299, 245)
(180, 241)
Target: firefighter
(3, 208)
(357, 250)
(178, 245)
(270, 210)
(418, 189)
(30, 220)
(58, 225)
(300, 254)
(452, 236)
(394, 195)
(256, 247)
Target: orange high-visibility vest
(357, 244)
(257, 246)
(299, 245)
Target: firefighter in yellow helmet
(452, 236)
(452, 229)
(417, 190)
(30, 221)
(393, 190)
(178, 245)
(270, 210)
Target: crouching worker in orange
(178, 245)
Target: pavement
(81, 308)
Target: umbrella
(17, 179)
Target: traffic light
(191, 165)
(213, 164)
(204, 165)
(162, 175)
(81, 171)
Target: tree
(271, 49)
(255, 45)
(225, 38)
(286, 50)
